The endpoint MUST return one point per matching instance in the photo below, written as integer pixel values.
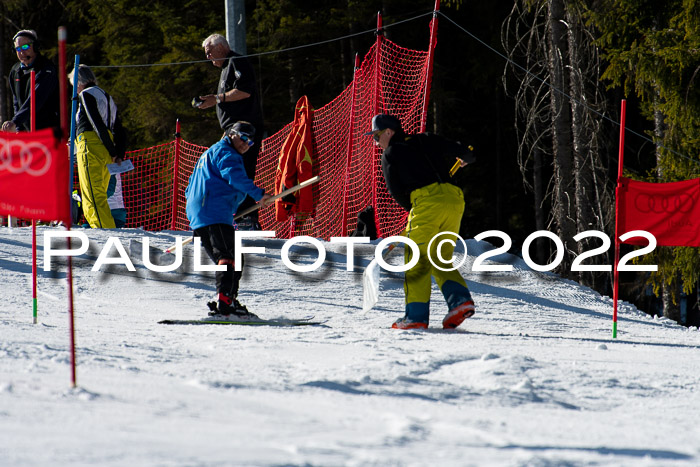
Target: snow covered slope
(534, 378)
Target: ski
(258, 322)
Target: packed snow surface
(533, 379)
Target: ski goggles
(23, 47)
(246, 139)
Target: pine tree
(652, 48)
(558, 115)
(151, 98)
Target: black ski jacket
(414, 161)
(46, 94)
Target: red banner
(669, 211)
(34, 175)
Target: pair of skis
(308, 321)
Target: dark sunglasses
(378, 134)
(23, 48)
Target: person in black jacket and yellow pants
(417, 173)
(100, 141)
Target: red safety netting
(391, 79)
(147, 190)
(188, 156)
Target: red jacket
(296, 164)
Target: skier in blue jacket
(216, 188)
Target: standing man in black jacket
(46, 92)
(236, 99)
(417, 173)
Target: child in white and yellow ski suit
(100, 141)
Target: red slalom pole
(63, 83)
(32, 101)
(63, 94)
(32, 126)
(620, 165)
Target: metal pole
(429, 74)
(235, 25)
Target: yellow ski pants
(435, 208)
(92, 159)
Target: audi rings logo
(19, 157)
(658, 204)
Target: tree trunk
(499, 165)
(671, 311)
(540, 216)
(564, 181)
(582, 153)
(436, 117)
(659, 131)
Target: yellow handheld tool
(455, 168)
(458, 164)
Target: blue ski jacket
(217, 186)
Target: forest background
(534, 86)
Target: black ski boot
(233, 310)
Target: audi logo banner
(669, 211)
(34, 174)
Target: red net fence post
(176, 170)
(346, 220)
(376, 109)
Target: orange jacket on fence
(296, 164)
